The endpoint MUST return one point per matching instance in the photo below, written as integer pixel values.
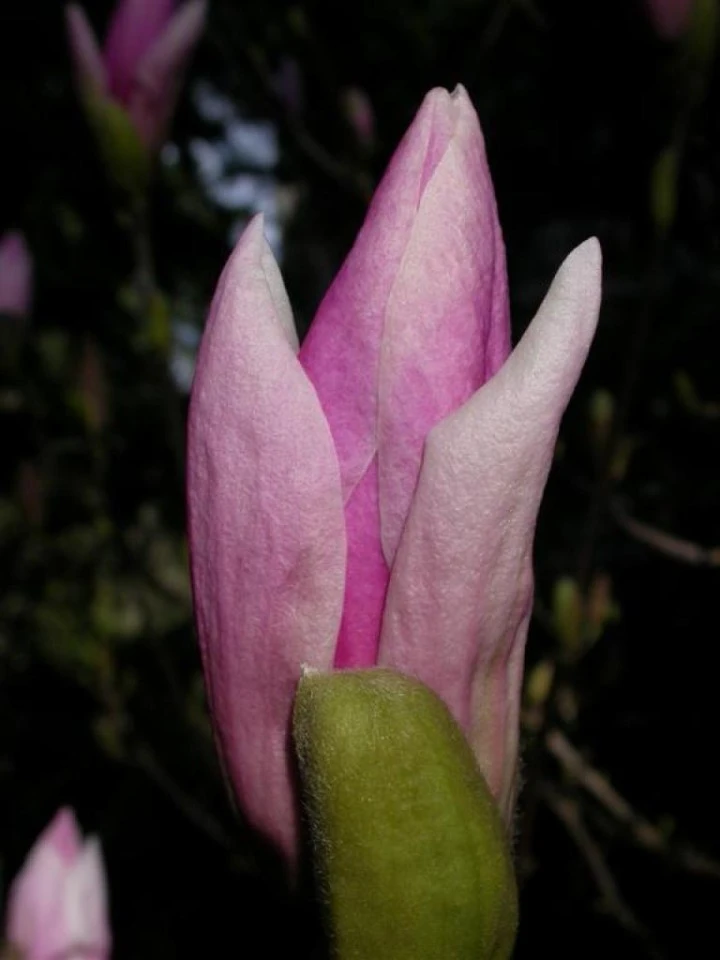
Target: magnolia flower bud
(58, 901)
(371, 499)
(130, 88)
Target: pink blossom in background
(57, 906)
(371, 498)
(360, 115)
(670, 17)
(16, 275)
(148, 46)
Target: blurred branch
(185, 803)
(643, 833)
(345, 177)
(502, 14)
(684, 551)
(353, 181)
(569, 814)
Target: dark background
(101, 702)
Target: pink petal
(670, 17)
(267, 530)
(86, 903)
(416, 320)
(447, 327)
(341, 353)
(156, 82)
(366, 580)
(16, 275)
(135, 26)
(63, 835)
(84, 50)
(35, 922)
(461, 589)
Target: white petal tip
(587, 258)
(253, 236)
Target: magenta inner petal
(367, 578)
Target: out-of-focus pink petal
(670, 17)
(84, 50)
(63, 836)
(461, 588)
(34, 922)
(447, 327)
(341, 353)
(155, 84)
(86, 903)
(57, 905)
(267, 530)
(135, 26)
(366, 580)
(360, 115)
(16, 275)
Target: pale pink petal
(86, 909)
(366, 580)
(670, 17)
(156, 81)
(461, 589)
(447, 327)
(84, 50)
(267, 531)
(16, 275)
(35, 920)
(135, 26)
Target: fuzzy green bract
(411, 853)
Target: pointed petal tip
(84, 49)
(191, 16)
(92, 858)
(250, 243)
(580, 277)
(63, 834)
(437, 99)
(447, 101)
(254, 232)
(588, 254)
(201, 8)
(72, 12)
(459, 95)
(13, 244)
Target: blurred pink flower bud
(372, 499)
(16, 275)
(360, 115)
(670, 17)
(57, 906)
(147, 48)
